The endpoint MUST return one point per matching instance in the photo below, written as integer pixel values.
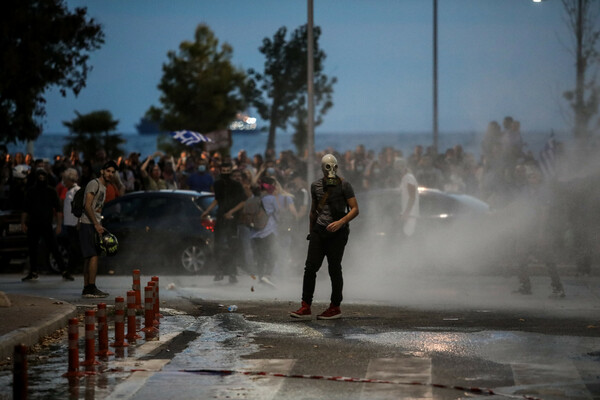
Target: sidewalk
(28, 319)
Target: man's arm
(412, 195)
(239, 206)
(209, 208)
(336, 225)
(89, 211)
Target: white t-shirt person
(408, 185)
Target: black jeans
(35, 232)
(227, 247)
(264, 254)
(325, 244)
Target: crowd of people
(500, 174)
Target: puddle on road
(45, 368)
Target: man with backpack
(333, 207)
(90, 228)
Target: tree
(201, 89)
(42, 44)
(282, 87)
(90, 132)
(582, 20)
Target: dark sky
(496, 58)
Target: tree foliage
(280, 91)
(201, 89)
(93, 131)
(582, 18)
(42, 44)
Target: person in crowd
(87, 173)
(90, 228)
(244, 231)
(537, 216)
(263, 240)
(200, 180)
(428, 175)
(41, 202)
(409, 197)
(69, 221)
(331, 197)
(126, 175)
(99, 160)
(170, 175)
(18, 186)
(373, 177)
(115, 188)
(152, 180)
(230, 197)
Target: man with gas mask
(333, 206)
(230, 197)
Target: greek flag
(189, 138)
(548, 158)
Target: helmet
(329, 166)
(20, 171)
(108, 244)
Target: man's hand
(99, 229)
(335, 226)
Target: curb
(31, 335)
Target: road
(402, 336)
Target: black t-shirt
(40, 204)
(228, 193)
(334, 207)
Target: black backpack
(78, 202)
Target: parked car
(13, 246)
(160, 231)
(450, 230)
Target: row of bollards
(121, 340)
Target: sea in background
(49, 145)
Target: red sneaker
(303, 312)
(332, 312)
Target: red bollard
(137, 287)
(131, 335)
(156, 299)
(119, 323)
(20, 380)
(90, 344)
(154, 286)
(103, 332)
(73, 370)
(149, 328)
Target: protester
(41, 202)
(90, 228)
(535, 212)
(69, 221)
(152, 180)
(409, 197)
(331, 197)
(263, 240)
(230, 197)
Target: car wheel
(194, 258)
(64, 253)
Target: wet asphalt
(443, 337)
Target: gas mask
(329, 166)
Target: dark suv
(160, 231)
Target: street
(445, 336)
